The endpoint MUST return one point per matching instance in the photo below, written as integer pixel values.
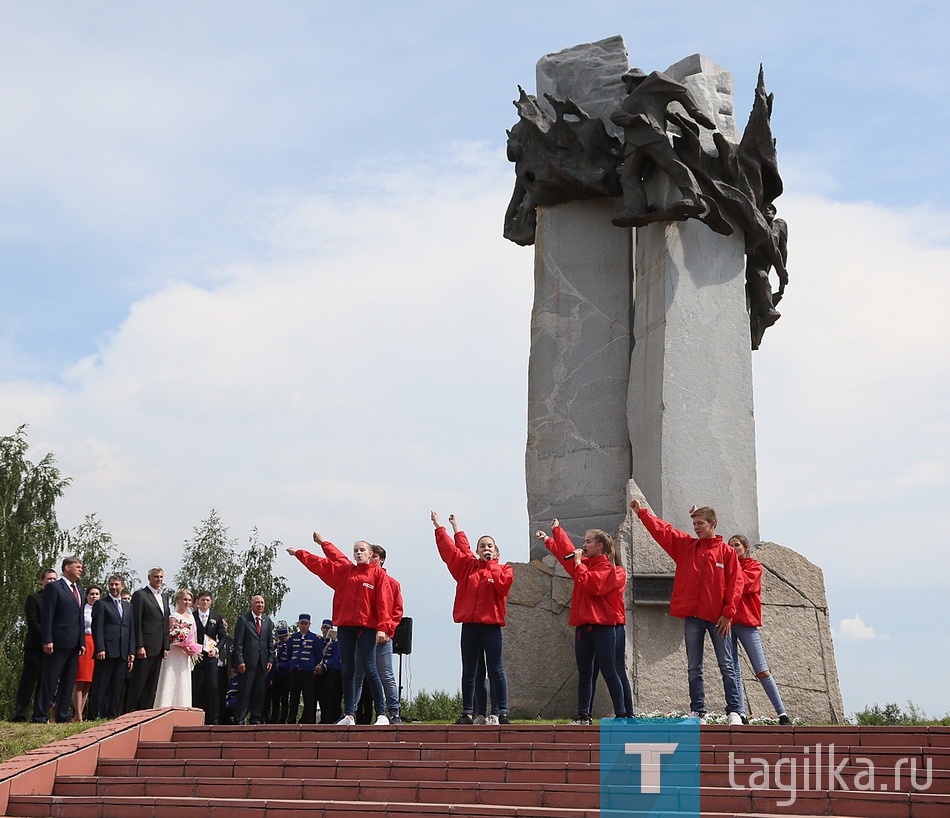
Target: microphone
(568, 557)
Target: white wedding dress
(174, 684)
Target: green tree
(30, 539)
(212, 561)
(99, 554)
(259, 572)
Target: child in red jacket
(706, 590)
(481, 592)
(362, 611)
(745, 629)
(593, 612)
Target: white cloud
(855, 630)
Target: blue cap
(303, 618)
(327, 623)
(282, 630)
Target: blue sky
(251, 259)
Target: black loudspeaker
(402, 638)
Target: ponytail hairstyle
(610, 550)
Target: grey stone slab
(589, 74)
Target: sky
(251, 259)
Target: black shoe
(394, 718)
(745, 719)
(783, 719)
(503, 718)
(465, 718)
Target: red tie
(256, 617)
(76, 594)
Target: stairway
(294, 771)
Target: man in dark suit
(63, 641)
(254, 654)
(113, 633)
(32, 649)
(204, 678)
(150, 612)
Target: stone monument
(655, 237)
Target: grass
(16, 739)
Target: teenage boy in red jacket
(706, 590)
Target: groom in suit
(113, 633)
(254, 654)
(204, 678)
(150, 612)
(63, 641)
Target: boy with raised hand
(706, 589)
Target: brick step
(39, 806)
(374, 750)
(836, 802)
(510, 772)
(433, 734)
(529, 794)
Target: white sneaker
(480, 719)
(492, 720)
(735, 719)
(382, 721)
(347, 721)
(695, 715)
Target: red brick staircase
(279, 771)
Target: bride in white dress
(174, 684)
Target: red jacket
(749, 609)
(482, 585)
(595, 583)
(357, 599)
(707, 583)
(616, 598)
(393, 591)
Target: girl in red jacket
(745, 629)
(593, 612)
(482, 589)
(361, 613)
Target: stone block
(589, 74)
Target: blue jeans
(694, 631)
(384, 664)
(748, 635)
(483, 640)
(359, 643)
(600, 642)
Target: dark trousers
(204, 687)
(598, 641)
(29, 686)
(145, 673)
(251, 688)
(105, 695)
(56, 680)
(477, 641)
(330, 693)
(278, 697)
(303, 684)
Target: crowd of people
(89, 655)
(93, 655)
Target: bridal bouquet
(181, 635)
